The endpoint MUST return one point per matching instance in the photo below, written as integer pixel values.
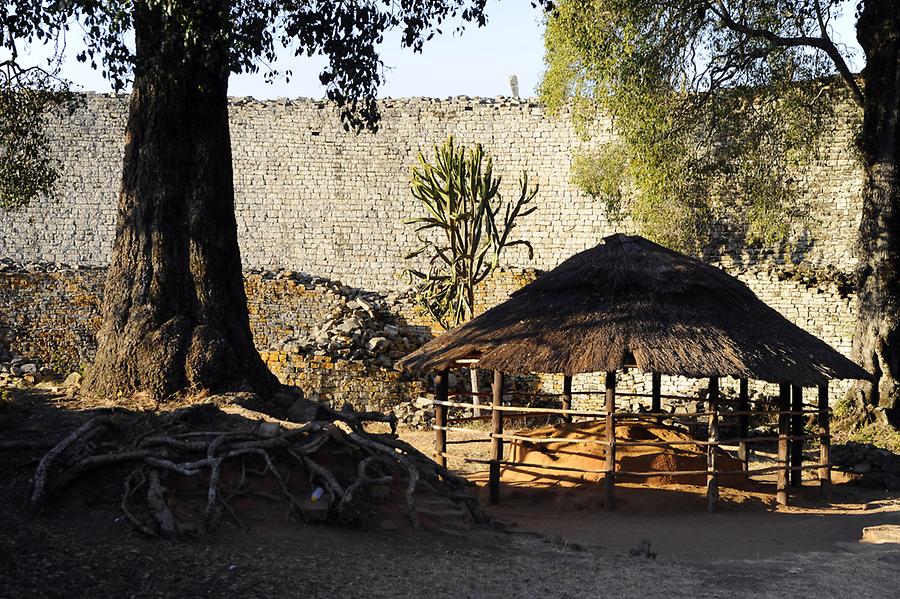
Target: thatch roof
(631, 302)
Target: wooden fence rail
(526, 410)
(620, 473)
(790, 437)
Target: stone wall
(311, 198)
(362, 385)
(51, 315)
(281, 306)
(335, 342)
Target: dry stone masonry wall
(335, 342)
(51, 314)
(311, 198)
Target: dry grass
(878, 434)
(848, 424)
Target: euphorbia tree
(463, 233)
(175, 314)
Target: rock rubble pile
(872, 466)
(362, 326)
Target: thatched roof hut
(629, 302)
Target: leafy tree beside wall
(699, 136)
(716, 102)
(28, 95)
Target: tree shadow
(732, 245)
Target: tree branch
(823, 43)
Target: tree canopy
(716, 104)
(347, 33)
(27, 167)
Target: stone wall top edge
(384, 102)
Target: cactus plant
(463, 232)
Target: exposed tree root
(234, 459)
(81, 434)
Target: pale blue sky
(477, 63)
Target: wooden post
(784, 421)
(496, 444)
(825, 443)
(656, 395)
(441, 380)
(712, 476)
(609, 478)
(796, 431)
(567, 397)
(744, 422)
(476, 389)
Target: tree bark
(877, 339)
(175, 311)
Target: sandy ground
(98, 556)
(729, 534)
(673, 519)
(746, 550)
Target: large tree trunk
(175, 312)
(877, 341)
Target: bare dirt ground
(85, 548)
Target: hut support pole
(743, 423)
(656, 395)
(440, 418)
(476, 389)
(824, 443)
(784, 421)
(496, 443)
(609, 479)
(796, 431)
(567, 397)
(712, 476)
